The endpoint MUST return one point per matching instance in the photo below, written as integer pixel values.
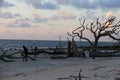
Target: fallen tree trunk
(2, 57)
(7, 57)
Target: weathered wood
(80, 74)
(6, 57)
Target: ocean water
(42, 43)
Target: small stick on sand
(80, 74)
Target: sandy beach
(105, 68)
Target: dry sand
(107, 68)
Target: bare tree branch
(98, 29)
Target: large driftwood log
(7, 57)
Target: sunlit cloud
(70, 29)
(63, 15)
(109, 14)
(66, 15)
(7, 21)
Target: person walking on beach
(35, 52)
(25, 53)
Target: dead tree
(98, 29)
(69, 48)
(72, 48)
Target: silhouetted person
(35, 52)
(83, 54)
(25, 53)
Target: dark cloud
(5, 4)
(25, 25)
(26, 19)
(19, 25)
(82, 4)
(109, 3)
(43, 4)
(90, 4)
(63, 2)
(17, 15)
(7, 15)
(40, 20)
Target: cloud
(63, 15)
(54, 18)
(8, 21)
(90, 4)
(66, 15)
(21, 24)
(17, 15)
(25, 25)
(86, 4)
(39, 18)
(109, 3)
(43, 4)
(14, 22)
(17, 20)
(89, 15)
(109, 14)
(5, 4)
(9, 15)
(63, 2)
(6, 15)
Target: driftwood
(58, 57)
(115, 53)
(79, 77)
(80, 74)
(7, 57)
(72, 47)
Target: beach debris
(72, 47)
(79, 77)
(99, 67)
(116, 78)
(4, 56)
(80, 74)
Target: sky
(49, 19)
